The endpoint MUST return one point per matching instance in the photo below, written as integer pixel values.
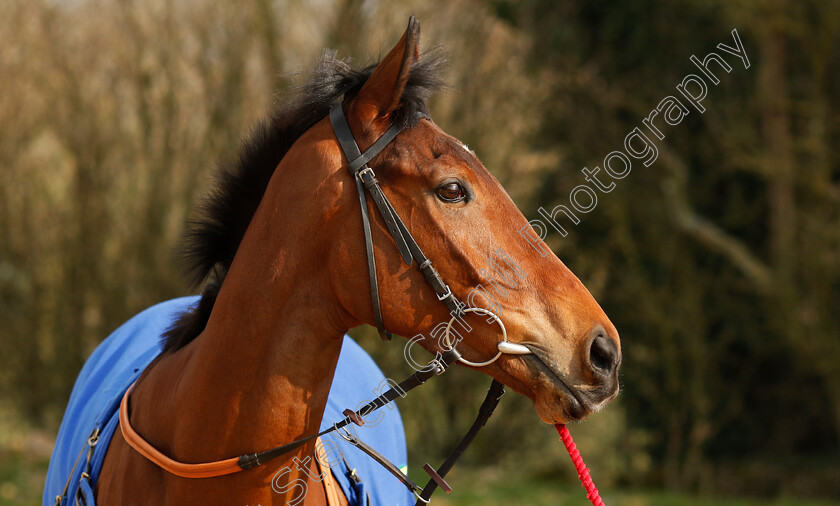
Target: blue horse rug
(122, 357)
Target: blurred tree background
(719, 264)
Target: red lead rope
(580, 467)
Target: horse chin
(560, 407)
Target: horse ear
(382, 92)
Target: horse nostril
(603, 354)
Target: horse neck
(259, 375)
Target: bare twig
(674, 186)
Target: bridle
(406, 244)
(409, 251)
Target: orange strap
(205, 470)
(330, 487)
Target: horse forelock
(214, 234)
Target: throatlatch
(409, 251)
(407, 246)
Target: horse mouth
(574, 408)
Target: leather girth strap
(330, 486)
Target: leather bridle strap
(409, 251)
(494, 395)
(382, 461)
(437, 367)
(351, 151)
(406, 244)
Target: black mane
(213, 237)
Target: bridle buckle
(363, 170)
(439, 365)
(446, 295)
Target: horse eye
(451, 192)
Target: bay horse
(250, 364)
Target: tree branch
(674, 187)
